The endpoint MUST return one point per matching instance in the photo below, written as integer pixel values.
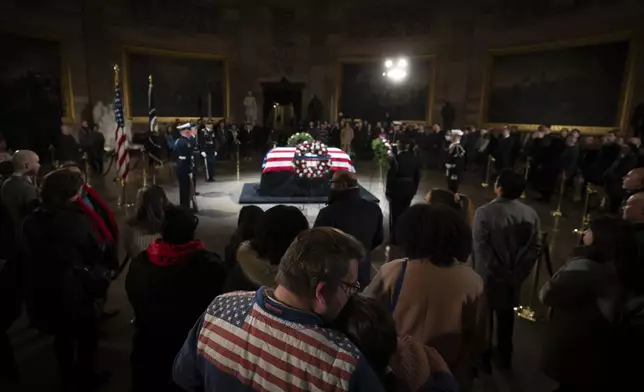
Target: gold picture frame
(127, 49)
(431, 93)
(626, 94)
(66, 88)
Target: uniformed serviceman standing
(196, 154)
(455, 161)
(183, 153)
(209, 151)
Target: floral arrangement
(312, 159)
(382, 151)
(298, 138)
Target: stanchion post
(145, 169)
(237, 145)
(528, 312)
(86, 168)
(585, 218)
(487, 172)
(122, 200)
(525, 177)
(557, 212)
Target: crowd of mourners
(292, 306)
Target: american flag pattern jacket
(247, 341)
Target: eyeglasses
(351, 288)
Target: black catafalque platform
(286, 187)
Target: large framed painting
(364, 92)
(581, 85)
(186, 85)
(35, 90)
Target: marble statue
(105, 119)
(250, 108)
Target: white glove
(215, 153)
(203, 154)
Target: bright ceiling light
(396, 71)
(397, 74)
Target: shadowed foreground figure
(168, 286)
(68, 278)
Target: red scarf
(107, 232)
(163, 254)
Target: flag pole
(122, 201)
(143, 154)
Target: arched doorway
(279, 97)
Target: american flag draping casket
(281, 159)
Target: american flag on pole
(122, 147)
(152, 112)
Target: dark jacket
(506, 245)
(403, 176)
(60, 244)
(168, 287)
(68, 149)
(20, 197)
(11, 272)
(570, 160)
(251, 271)
(607, 155)
(579, 342)
(354, 215)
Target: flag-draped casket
(279, 177)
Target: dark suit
(506, 245)
(403, 178)
(362, 219)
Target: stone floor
(218, 216)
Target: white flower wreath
(319, 154)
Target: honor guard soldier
(196, 153)
(183, 153)
(455, 161)
(209, 152)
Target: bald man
(19, 193)
(634, 209)
(632, 183)
(352, 214)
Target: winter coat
(443, 307)
(579, 344)
(251, 271)
(61, 243)
(349, 212)
(168, 287)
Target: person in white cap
(455, 161)
(183, 153)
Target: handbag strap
(398, 287)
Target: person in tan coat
(432, 296)
(346, 137)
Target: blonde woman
(146, 224)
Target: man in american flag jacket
(277, 340)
